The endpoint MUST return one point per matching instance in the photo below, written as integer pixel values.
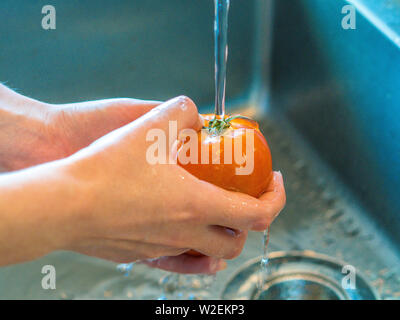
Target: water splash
(177, 286)
(125, 268)
(263, 273)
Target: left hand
(33, 132)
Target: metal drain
(297, 275)
(300, 287)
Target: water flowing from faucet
(221, 53)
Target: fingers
(239, 211)
(218, 242)
(274, 200)
(188, 264)
(126, 251)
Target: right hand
(137, 211)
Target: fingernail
(181, 100)
(218, 265)
(233, 233)
(277, 214)
(201, 120)
(277, 176)
(222, 265)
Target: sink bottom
(298, 287)
(299, 276)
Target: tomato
(230, 132)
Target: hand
(33, 132)
(272, 201)
(53, 132)
(134, 214)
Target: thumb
(168, 121)
(170, 118)
(180, 112)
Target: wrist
(74, 197)
(40, 210)
(28, 136)
(78, 191)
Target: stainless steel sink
(327, 100)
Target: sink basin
(326, 98)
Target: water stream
(176, 285)
(221, 53)
(173, 284)
(263, 264)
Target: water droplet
(125, 268)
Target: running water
(263, 264)
(177, 285)
(173, 284)
(221, 53)
(221, 58)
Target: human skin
(76, 178)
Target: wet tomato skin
(224, 175)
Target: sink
(326, 99)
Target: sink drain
(297, 275)
(300, 287)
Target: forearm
(17, 104)
(26, 137)
(37, 208)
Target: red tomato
(224, 174)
